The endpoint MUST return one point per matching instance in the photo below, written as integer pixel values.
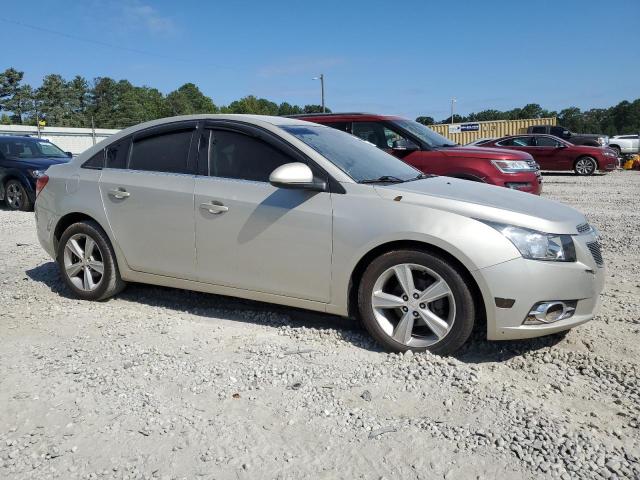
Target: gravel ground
(163, 383)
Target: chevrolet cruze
(289, 212)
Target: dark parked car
(588, 139)
(22, 161)
(432, 153)
(553, 153)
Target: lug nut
(415, 314)
(405, 298)
(405, 309)
(422, 305)
(415, 295)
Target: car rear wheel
(414, 300)
(87, 262)
(16, 197)
(585, 166)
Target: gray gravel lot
(162, 383)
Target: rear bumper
(529, 282)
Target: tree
(315, 109)
(9, 85)
(253, 105)
(425, 120)
(21, 105)
(51, 100)
(77, 98)
(188, 99)
(287, 109)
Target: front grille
(583, 228)
(596, 253)
(532, 164)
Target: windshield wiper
(421, 176)
(383, 179)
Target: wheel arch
(69, 219)
(358, 271)
(586, 155)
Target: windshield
(360, 160)
(26, 149)
(425, 134)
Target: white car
(625, 144)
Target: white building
(74, 140)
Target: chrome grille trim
(596, 253)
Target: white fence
(74, 140)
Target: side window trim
(175, 127)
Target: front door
(252, 235)
(147, 192)
(551, 154)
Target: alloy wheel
(413, 305)
(83, 262)
(14, 196)
(584, 166)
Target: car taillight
(41, 183)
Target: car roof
(22, 137)
(345, 116)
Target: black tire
(111, 283)
(592, 163)
(463, 322)
(16, 196)
(616, 149)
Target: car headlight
(36, 173)
(538, 245)
(603, 140)
(512, 166)
(610, 153)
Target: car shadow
(208, 306)
(568, 173)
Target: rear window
(168, 152)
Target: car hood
(485, 152)
(41, 163)
(487, 202)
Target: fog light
(517, 185)
(550, 312)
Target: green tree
(252, 105)
(287, 109)
(21, 105)
(425, 120)
(51, 100)
(9, 85)
(188, 99)
(313, 108)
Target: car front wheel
(585, 166)
(16, 197)
(415, 300)
(87, 262)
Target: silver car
(294, 213)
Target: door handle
(214, 207)
(119, 193)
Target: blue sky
(403, 57)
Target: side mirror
(69, 154)
(404, 145)
(296, 176)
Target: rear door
(147, 191)
(252, 235)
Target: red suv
(553, 153)
(430, 152)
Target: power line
(88, 40)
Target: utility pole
(453, 100)
(93, 130)
(321, 78)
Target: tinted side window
(342, 126)
(546, 142)
(168, 152)
(236, 155)
(96, 162)
(539, 130)
(558, 132)
(371, 132)
(516, 142)
(116, 155)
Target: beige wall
(497, 128)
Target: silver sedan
(288, 212)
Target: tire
(400, 321)
(585, 166)
(16, 196)
(616, 149)
(81, 271)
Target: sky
(405, 57)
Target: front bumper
(529, 282)
(529, 182)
